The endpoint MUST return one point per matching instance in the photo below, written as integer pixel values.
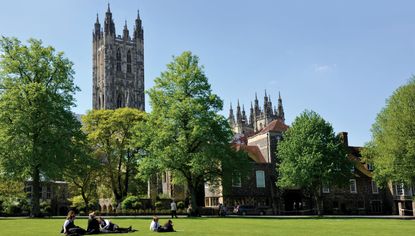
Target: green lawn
(230, 226)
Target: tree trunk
(193, 200)
(84, 197)
(35, 192)
(319, 203)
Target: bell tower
(117, 65)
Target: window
(236, 180)
(28, 190)
(118, 60)
(353, 188)
(129, 61)
(260, 179)
(399, 189)
(119, 101)
(49, 192)
(370, 167)
(375, 188)
(211, 201)
(326, 189)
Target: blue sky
(342, 59)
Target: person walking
(173, 208)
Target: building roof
(275, 126)
(253, 152)
(355, 156)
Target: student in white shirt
(154, 226)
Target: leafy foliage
(392, 148)
(111, 134)
(131, 203)
(185, 134)
(37, 128)
(311, 155)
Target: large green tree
(392, 148)
(187, 136)
(37, 128)
(111, 135)
(311, 156)
(83, 173)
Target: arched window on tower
(102, 105)
(119, 101)
(129, 61)
(118, 59)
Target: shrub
(131, 203)
(181, 205)
(158, 205)
(45, 208)
(16, 206)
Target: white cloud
(324, 68)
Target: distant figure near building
(173, 208)
(118, 66)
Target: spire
(238, 114)
(244, 120)
(251, 116)
(97, 28)
(266, 104)
(256, 105)
(138, 30)
(281, 114)
(231, 117)
(109, 27)
(126, 33)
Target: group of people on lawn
(98, 225)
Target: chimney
(344, 138)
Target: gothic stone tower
(118, 66)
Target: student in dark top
(69, 227)
(93, 224)
(108, 227)
(168, 227)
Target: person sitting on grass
(154, 225)
(108, 227)
(93, 224)
(168, 227)
(69, 227)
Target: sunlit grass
(230, 226)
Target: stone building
(118, 65)
(259, 117)
(259, 137)
(55, 193)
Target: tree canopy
(392, 148)
(186, 135)
(111, 135)
(37, 128)
(311, 156)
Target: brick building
(260, 141)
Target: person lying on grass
(108, 227)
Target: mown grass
(230, 226)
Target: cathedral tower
(118, 66)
